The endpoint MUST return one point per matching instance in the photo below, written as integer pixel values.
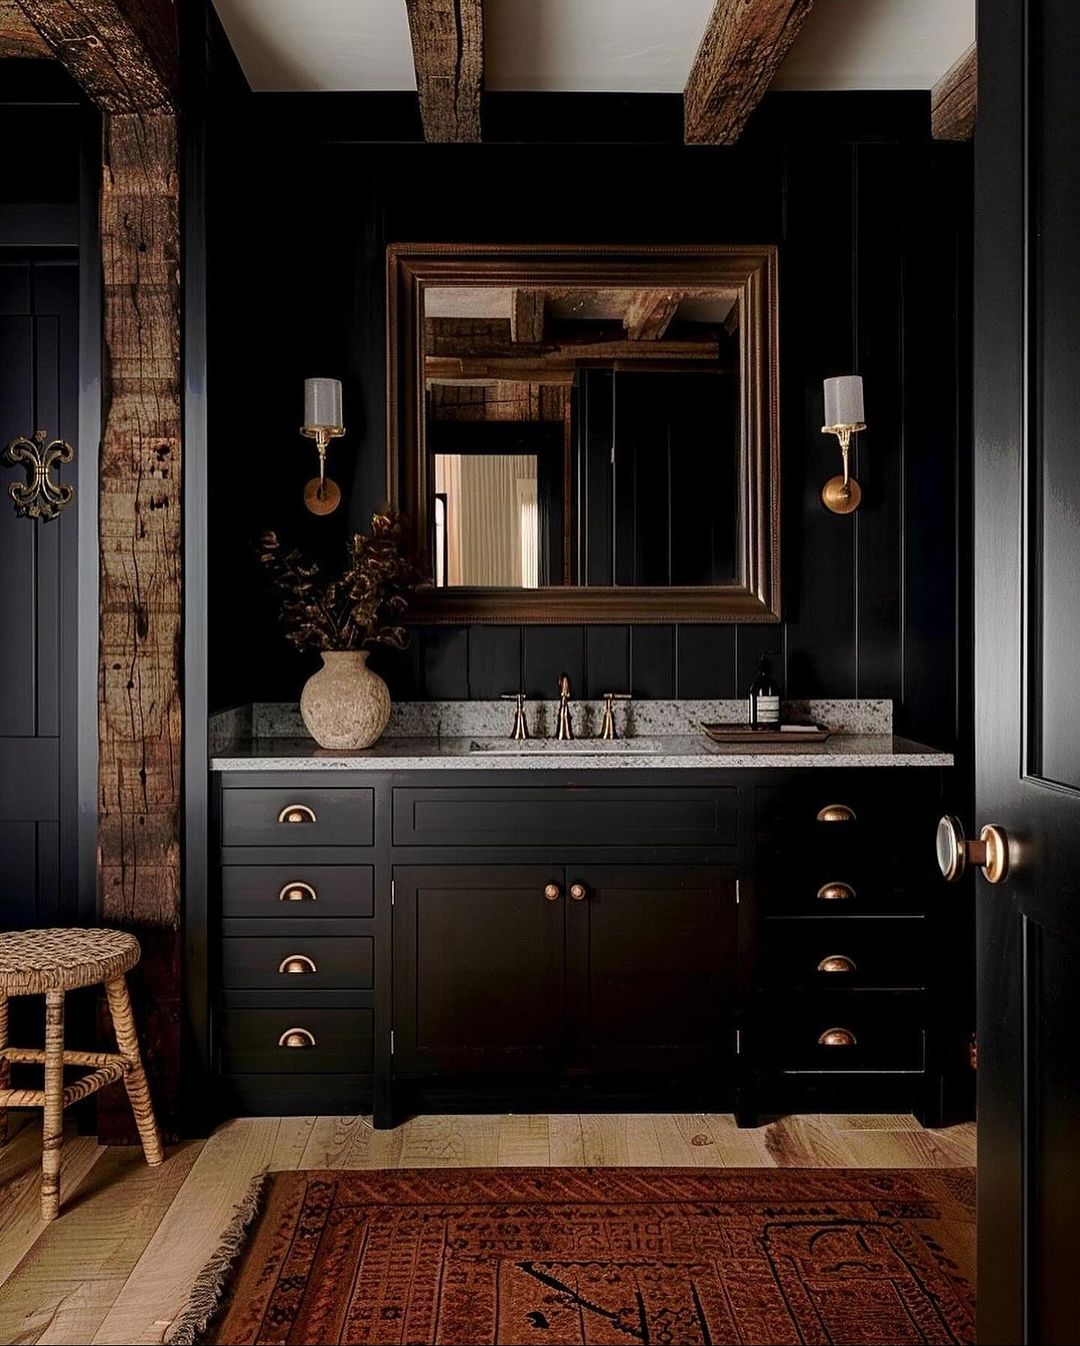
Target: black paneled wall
(873, 222)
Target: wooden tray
(745, 733)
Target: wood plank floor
(119, 1263)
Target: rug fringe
(205, 1297)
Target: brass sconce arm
(842, 493)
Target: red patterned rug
(630, 1256)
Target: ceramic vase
(345, 705)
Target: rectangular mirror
(587, 434)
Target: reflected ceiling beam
(740, 53)
(448, 53)
(527, 316)
(954, 99)
(649, 313)
(18, 36)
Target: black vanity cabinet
(734, 939)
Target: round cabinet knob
(837, 962)
(578, 892)
(297, 962)
(551, 892)
(297, 813)
(835, 892)
(836, 813)
(297, 892)
(297, 1037)
(837, 1037)
(955, 852)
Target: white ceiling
(591, 46)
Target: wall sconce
(844, 416)
(322, 423)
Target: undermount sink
(619, 747)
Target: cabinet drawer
(297, 963)
(823, 888)
(844, 954)
(253, 1041)
(534, 816)
(297, 816)
(833, 1034)
(301, 890)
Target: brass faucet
(520, 730)
(566, 725)
(607, 727)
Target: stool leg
(53, 1122)
(135, 1079)
(5, 1065)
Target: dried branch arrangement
(363, 606)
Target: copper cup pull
(297, 962)
(553, 892)
(836, 813)
(835, 892)
(837, 1037)
(297, 813)
(297, 1037)
(297, 892)
(578, 892)
(837, 962)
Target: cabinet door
(478, 967)
(651, 965)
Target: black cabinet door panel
(651, 964)
(478, 967)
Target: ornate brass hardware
(297, 813)
(552, 892)
(42, 497)
(297, 1037)
(836, 813)
(837, 962)
(837, 1037)
(297, 891)
(835, 892)
(578, 892)
(297, 962)
(955, 852)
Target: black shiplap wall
(873, 222)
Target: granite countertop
(659, 752)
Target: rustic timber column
(125, 56)
(139, 725)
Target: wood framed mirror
(585, 433)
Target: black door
(1027, 675)
(651, 965)
(478, 967)
(38, 390)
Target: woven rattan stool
(50, 963)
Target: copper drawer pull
(837, 962)
(836, 813)
(297, 813)
(297, 1037)
(837, 1037)
(578, 892)
(297, 962)
(835, 892)
(297, 892)
(552, 892)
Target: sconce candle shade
(844, 401)
(322, 404)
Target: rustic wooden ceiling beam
(954, 99)
(649, 313)
(741, 51)
(18, 36)
(448, 53)
(527, 316)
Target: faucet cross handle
(520, 729)
(607, 725)
(565, 731)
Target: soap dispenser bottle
(764, 698)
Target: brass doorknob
(578, 892)
(551, 892)
(955, 852)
